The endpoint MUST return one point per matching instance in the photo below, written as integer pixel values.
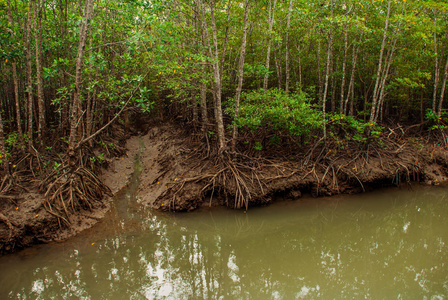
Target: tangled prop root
(69, 190)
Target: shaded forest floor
(181, 173)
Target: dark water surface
(390, 244)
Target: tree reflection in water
(379, 245)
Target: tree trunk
(203, 86)
(217, 90)
(240, 75)
(442, 91)
(204, 106)
(278, 68)
(299, 52)
(373, 113)
(383, 81)
(268, 54)
(226, 40)
(351, 86)
(16, 84)
(344, 62)
(76, 113)
(288, 25)
(436, 70)
(333, 83)
(40, 85)
(327, 75)
(29, 79)
(89, 104)
(319, 72)
(385, 73)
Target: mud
(180, 174)
(25, 222)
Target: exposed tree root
(69, 190)
(239, 180)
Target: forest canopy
(71, 68)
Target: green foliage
(346, 128)
(431, 116)
(258, 146)
(12, 140)
(211, 134)
(435, 122)
(98, 159)
(144, 102)
(275, 109)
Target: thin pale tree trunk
(385, 75)
(268, 53)
(226, 41)
(217, 91)
(442, 91)
(383, 82)
(89, 104)
(29, 78)
(40, 84)
(76, 104)
(373, 113)
(327, 75)
(240, 75)
(16, 84)
(203, 85)
(218, 83)
(344, 62)
(287, 55)
(278, 68)
(319, 72)
(436, 70)
(352, 80)
(333, 83)
(204, 117)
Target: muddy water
(391, 244)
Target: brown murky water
(390, 244)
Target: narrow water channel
(389, 244)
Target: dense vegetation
(305, 69)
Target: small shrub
(277, 110)
(347, 128)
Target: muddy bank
(178, 175)
(25, 222)
(181, 174)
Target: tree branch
(113, 119)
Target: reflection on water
(382, 245)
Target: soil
(178, 176)
(25, 222)
(180, 173)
